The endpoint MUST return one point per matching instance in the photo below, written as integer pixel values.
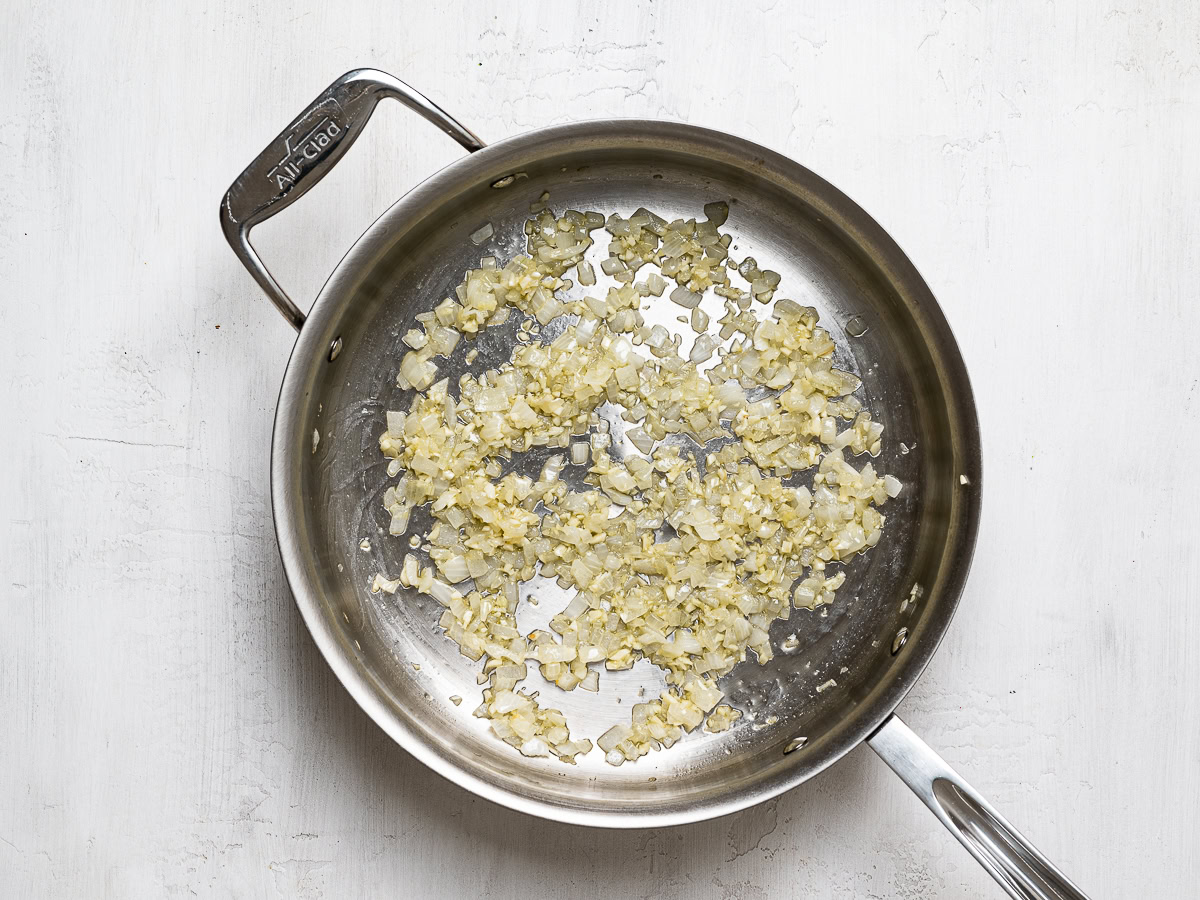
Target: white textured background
(166, 726)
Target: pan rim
(310, 350)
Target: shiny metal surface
(327, 475)
(1020, 867)
(830, 254)
(304, 153)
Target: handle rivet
(795, 744)
(335, 349)
(899, 641)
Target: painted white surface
(168, 728)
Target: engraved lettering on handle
(304, 153)
(303, 149)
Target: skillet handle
(305, 152)
(999, 848)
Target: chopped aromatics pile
(682, 558)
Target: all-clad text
(303, 153)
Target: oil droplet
(504, 182)
(790, 643)
(795, 744)
(903, 447)
(856, 326)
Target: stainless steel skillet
(327, 475)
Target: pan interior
(830, 256)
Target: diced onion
(685, 298)
(742, 547)
(455, 569)
(702, 350)
(717, 212)
(483, 234)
